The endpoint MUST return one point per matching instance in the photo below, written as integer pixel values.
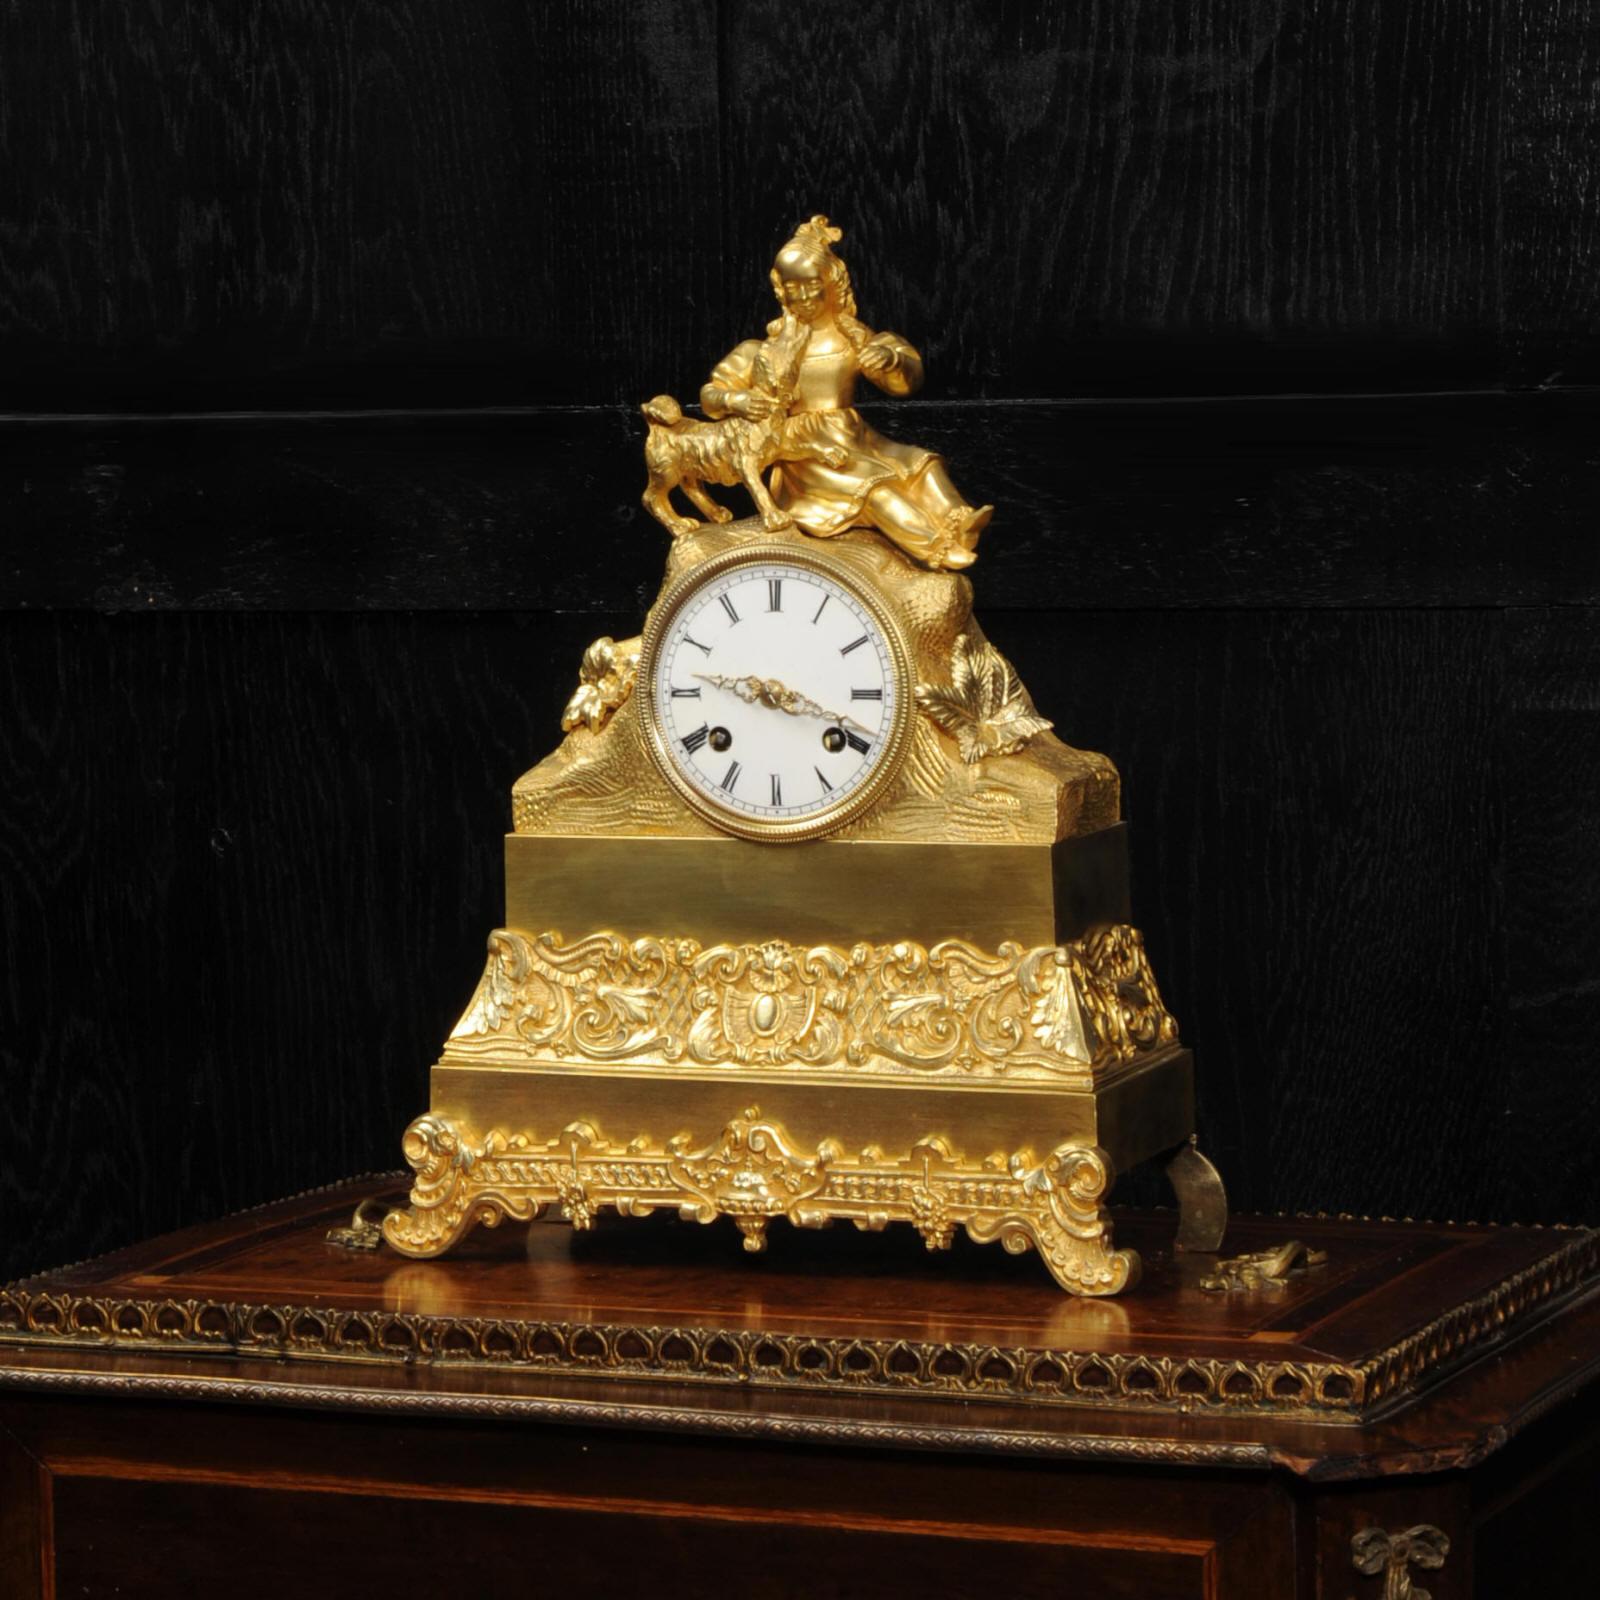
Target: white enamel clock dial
(777, 692)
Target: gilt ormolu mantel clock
(810, 915)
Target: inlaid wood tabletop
(1418, 1342)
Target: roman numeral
(825, 599)
(855, 644)
(826, 786)
(856, 742)
(774, 594)
(730, 777)
(727, 605)
(857, 694)
(777, 791)
(692, 741)
(705, 649)
(686, 694)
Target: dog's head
(663, 409)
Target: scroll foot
(447, 1198)
(1066, 1222)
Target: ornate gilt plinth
(753, 1172)
(944, 1087)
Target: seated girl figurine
(902, 491)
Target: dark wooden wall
(1269, 327)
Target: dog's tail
(663, 409)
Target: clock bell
(811, 915)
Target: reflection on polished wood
(845, 1405)
(1391, 1310)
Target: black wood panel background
(1268, 326)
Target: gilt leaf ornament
(984, 706)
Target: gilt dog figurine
(683, 454)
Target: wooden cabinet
(250, 1410)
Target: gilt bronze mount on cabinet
(811, 915)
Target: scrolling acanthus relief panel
(1059, 1013)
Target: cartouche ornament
(811, 915)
